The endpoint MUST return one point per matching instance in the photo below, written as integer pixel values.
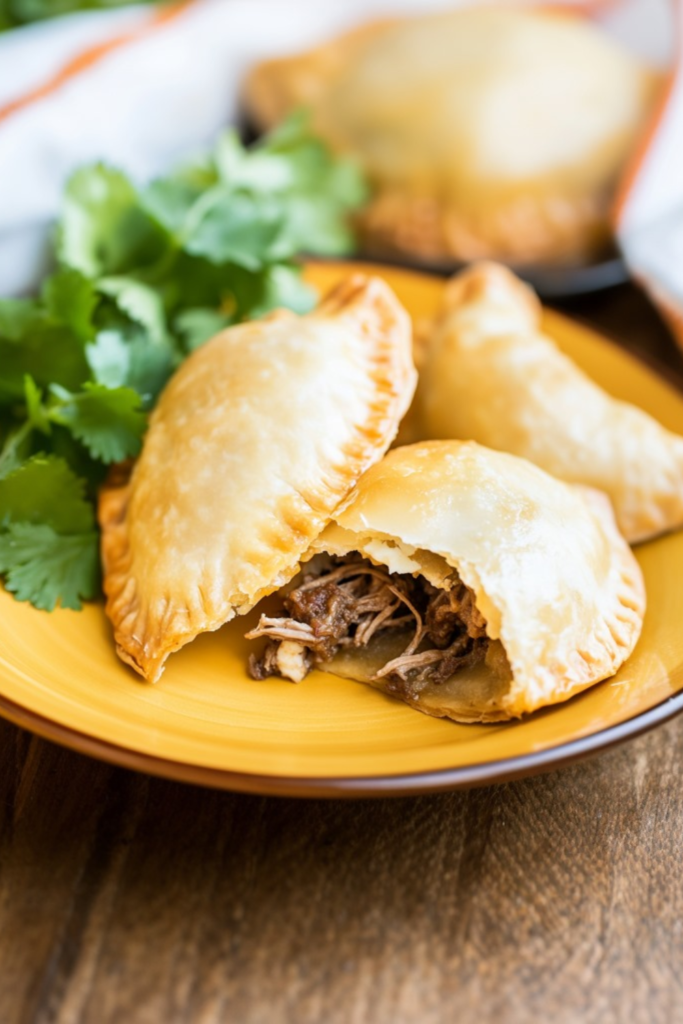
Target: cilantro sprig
(143, 277)
(48, 540)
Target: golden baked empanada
(479, 588)
(485, 132)
(255, 441)
(491, 375)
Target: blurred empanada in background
(485, 132)
(255, 441)
(479, 587)
(490, 374)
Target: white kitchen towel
(648, 213)
(141, 87)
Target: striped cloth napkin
(141, 87)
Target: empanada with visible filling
(485, 133)
(490, 374)
(255, 441)
(479, 587)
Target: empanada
(479, 588)
(491, 375)
(485, 132)
(255, 441)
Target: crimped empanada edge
(644, 509)
(615, 636)
(534, 686)
(538, 226)
(144, 637)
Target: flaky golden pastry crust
(485, 132)
(255, 441)
(556, 583)
(490, 374)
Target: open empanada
(491, 375)
(479, 588)
(485, 132)
(255, 441)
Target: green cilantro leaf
(36, 414)
(195, 326)
(90, 471)
(70, 299)
(108, 421)
(144, 277)
(236, 228)
(140, 302)
(150, 368)
(45, 490)
(47, 568)
(257, 170)
(17, 316)
(47, 352)
(109, 359)
(313, 226)
(104, 228)
(283, 286)
(120, 358)
(169, 201)
(15, 450)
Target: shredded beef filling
(349, 601)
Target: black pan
(549, 282)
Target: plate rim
(368, 786)
(483, 773)
(552, 284)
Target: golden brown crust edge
(611, 647)
(402, 223)
(619, 629)
(546, 668)
(273, 88)
(537, 224)
(527, 229)
(630, 455)
(146, 635)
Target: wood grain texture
(125, 899)
(131, 900)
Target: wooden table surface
(126, 899)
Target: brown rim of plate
(550, 282)
(412, 784)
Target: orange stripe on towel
(93, 55)
(587, 9)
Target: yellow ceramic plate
(207, 722)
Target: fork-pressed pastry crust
(490, 374)
(554, 580)
(254, 443)
(486, 133)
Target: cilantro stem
(9, 456)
